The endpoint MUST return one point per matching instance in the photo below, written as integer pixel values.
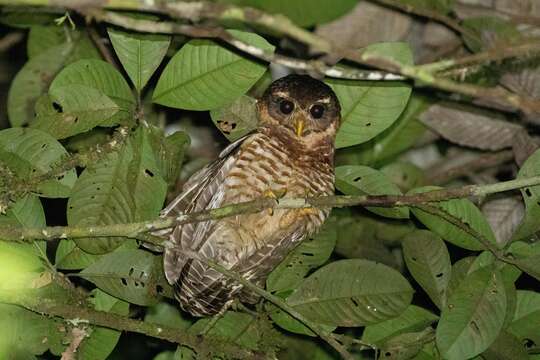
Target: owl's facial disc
(302, 105)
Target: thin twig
(279, 302)
(10, 40)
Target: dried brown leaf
(518, 7)
(504, 215)
(365, 24)
(527, 83)
(523, 146)
(470, 129)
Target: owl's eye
(317, 111)
(286, 106)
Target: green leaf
(399, 137)
(71, 257)
(474, 315)
(25, 212)
(73, 109)
(498, 28)
(41, 38)
(30, 152)
(236, 119)
(24, 329)
(102, 77)
(310, 254)
(404, 174)
(466, 212)
(287, 322)
(140, 54)
(166, 314)
(241, 328)
(32, 81)
(442, 6)
(123, 187)
(352, 293)
(506, 347)
(102, 341)
(414, 318)
(359, 180)
(460, 270)
(407, 345)
(172, 151)
(204, 75)
(300, 12)
(370, 107)
(527, 257)
(429, 263)
(20, 265)
(526, 322)
(531, 196)
(129, 275)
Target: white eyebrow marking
(282, 93)
(325, 100)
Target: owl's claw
(274, 194)
(308, 211)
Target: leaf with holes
(531, 196)
(102, 341)
(73, 109)
(204, 75)
(526, 322)
(236, 119)
(30, 152)
(368, 107)
(140, 54)
(414, 318)
(399, 137)
(429, 263)
(462, 209)
(33, 80)
(104, 79)
(360, 180)
(125, 186)
(506, 346)
(405, 175)
(474, 315)
(129, 275)
(310, 254)
(407, 345)
(352, 293)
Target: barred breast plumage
(274, 160)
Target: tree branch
(135, 230)
(51, 307)
(225, 13)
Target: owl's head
(304, 106)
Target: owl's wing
(201, 191)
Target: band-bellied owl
(291, 154)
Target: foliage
(93, 139)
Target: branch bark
(140, 229)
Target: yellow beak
(299, 123)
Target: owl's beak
(299, 123)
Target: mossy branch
(138, 230)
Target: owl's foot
(274, 194)
(309, 211)
(217, 317)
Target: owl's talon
(308, 211)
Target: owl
(291, 154)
